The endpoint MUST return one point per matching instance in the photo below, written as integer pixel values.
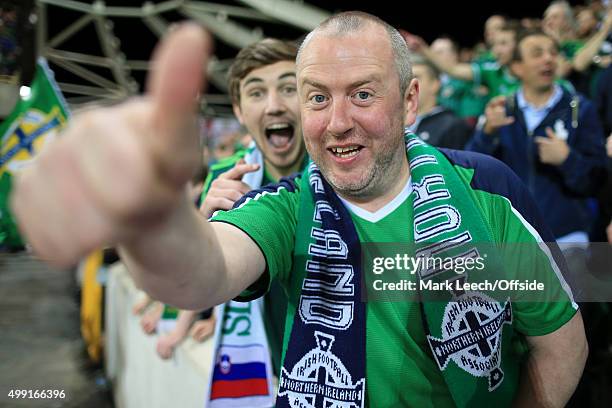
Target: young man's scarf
(242, 370)
(469, 333)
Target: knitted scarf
(241, 373)
(469, 333)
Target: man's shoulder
(267, 205)
(474, 160)
(448, 115)
(489, 174)
(584, 101)
(497, 179)
(442, 119)
(574, 101)
(290, 184)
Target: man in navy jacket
(550, 137)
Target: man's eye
(318, 98)
(289, 90)
(363, 95)
(255, 94)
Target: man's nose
(549, 56)
(341, 120)
(275, 104)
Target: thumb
(550, 133)
(177, 77)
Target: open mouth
(279, 135)
(548, 73)
(345, 152)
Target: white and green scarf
(469, 333)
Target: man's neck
(538, 97)
(276, 173)
(374, 204)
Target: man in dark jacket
(551, 138)
(435, 124)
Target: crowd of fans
(537, 94)
(581, 66)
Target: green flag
(35, 120)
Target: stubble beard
(376, 179)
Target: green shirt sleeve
(477, 73)
(527, 257)
(269, 217)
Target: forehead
(270, 73)
(504, 36)
(494, 22)
(537, 41)
(366, 50)
(555, 10)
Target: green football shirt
(497, 78)
(400, 370)
(462, 97)
(399, 367)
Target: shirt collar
(552, 101)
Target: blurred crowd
(535, 93)
(9, 51)
(458, 87)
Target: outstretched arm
(118, 177)
(584, 56)
(459, 70)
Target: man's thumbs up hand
(116, 173)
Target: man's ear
(238, 113)
(411, 102)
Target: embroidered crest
(320, 379)
(560, 130)
(472, 336)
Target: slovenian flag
(240, 371)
